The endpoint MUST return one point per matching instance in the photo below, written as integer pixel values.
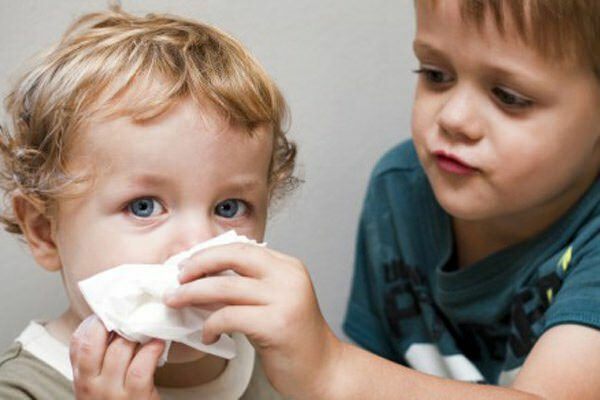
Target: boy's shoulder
(24, 376)
(400, 158)
(399, 175)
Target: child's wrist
(327, 383)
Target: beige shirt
(37, 366)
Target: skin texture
(143, 205)
(501, 107)
(272, 300)
(494, 102)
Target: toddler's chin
(180, 353)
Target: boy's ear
(37, 230)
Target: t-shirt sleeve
(11, 376)
(23, 376)
(10, 392)
(578, 299)
(364, 322)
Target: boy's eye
(144, 207)
(510, 99)
(433, 75)
(231, 208)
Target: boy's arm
(273, 302)
(564, 364)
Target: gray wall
(343, 65)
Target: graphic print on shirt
(470, 352)
(418, 330)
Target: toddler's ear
(37, 231)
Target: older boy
(132, 140)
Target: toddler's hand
(272, 301)
(112, 369)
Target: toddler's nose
(188, 235)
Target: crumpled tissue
(129, 301)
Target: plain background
(345, 69)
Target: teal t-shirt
(411, 305)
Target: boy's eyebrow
(509, 74)
(497, 68)
(420, 46)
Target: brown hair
(566, 30)
(98, 59)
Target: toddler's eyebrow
(243, 184)
(149, 180)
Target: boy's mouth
(453, 164)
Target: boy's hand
(112, 369)
(272, 301)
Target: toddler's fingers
(87, 348)
(219, 289)
(244, 319)
(139, 380)
(117, 357)
(245, 259)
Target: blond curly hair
(98, 59)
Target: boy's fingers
(139, 380)
(231, 319)
(117, 357)
(245, 259)
(87, 347)
(219, 289)
(284, 257)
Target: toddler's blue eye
(143, 207)
(231, 208)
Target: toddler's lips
(452, 164)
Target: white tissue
(129, 300)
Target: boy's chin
(180, 353)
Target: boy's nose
(460, 117)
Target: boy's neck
(475, 240)
(183, 375)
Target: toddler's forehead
(176, 140)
